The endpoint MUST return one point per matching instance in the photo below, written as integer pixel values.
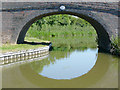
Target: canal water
(64, 69)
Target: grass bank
(19, 47)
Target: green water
(64, 69)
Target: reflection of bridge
(18, 16)
(99, 77)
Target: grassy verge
(66, 37)
(18, 47)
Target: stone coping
(24, 61)
(26, 54)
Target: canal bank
(12, 57)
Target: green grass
(18, 47)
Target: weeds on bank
(115, 46)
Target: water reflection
(104, 74)
(75, 64)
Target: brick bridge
(17, 17)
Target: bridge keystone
(62, 7)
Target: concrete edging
(11, 57)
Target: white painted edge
(26, 61)
(20, 54)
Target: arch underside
(104, 42)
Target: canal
(76, 68)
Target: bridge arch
(97, 22)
